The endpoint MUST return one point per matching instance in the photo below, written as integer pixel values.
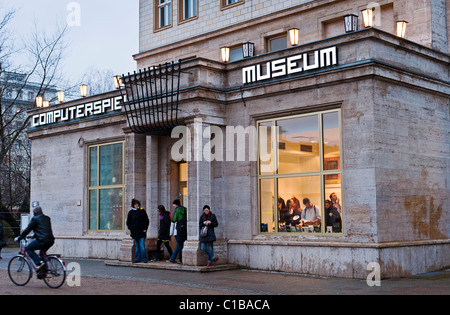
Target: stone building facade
(364, 115)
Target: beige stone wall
(393, 96)
(256, 21)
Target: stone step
(170, 266)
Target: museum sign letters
(291, 65)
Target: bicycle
(21, 266)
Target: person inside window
(336, 202)
(332, 216)
(311, 213)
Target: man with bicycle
(43, 235)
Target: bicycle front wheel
(19, 270)
(55, 274)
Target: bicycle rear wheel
(19, 270)
(55, 274)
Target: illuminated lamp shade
(248, 49)
(225, 54)
(367, 15)
(117, 81)
(351, 23)
(401, 28)
(83, 90)
(39, 101)
(294, 38)
(60, 96)
(45, 104)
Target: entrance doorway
(182, 183)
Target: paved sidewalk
(99, 279)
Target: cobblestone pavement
(98, 279)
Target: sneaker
(39, 267)
(208, 265)
(215, 260)
(171, 261)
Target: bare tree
(99, 81)
(44, 54)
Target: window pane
(331, 147)
(236, 54)
(266, 206)
(333, 214)
(292, 215)
(265, 148)
(189, 8)
(93, 210)
(93, 166)
(298, 145)
(111, 166)
(111, 209)
(278, 43)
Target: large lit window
(163, 13)
(106, 187)
(300, 174)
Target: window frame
(269, 42)
(225, 6)
(156, 18)
(99, 187)
(322, 173)
(181, 8)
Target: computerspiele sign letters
(318, 59)
(78, 112)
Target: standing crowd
(170, 224)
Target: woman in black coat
(164, 229)
(208, 220)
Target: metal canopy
(152, 98)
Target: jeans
(35, 245)
(208, 248)
(141, 255)
(166, 243)
(178, 249)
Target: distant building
(17, 96)
(303, 102)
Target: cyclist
(43, 235)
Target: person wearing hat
(180, 218)
(42, 227)
(137, 223)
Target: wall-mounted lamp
(45, 104)
(60, 96)
(117, 81)
(225, 54)
(367, 15)
(248, 49)
(294, 37)
(351, 23)
(401, 28)
(83, 90)
(39, 101)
